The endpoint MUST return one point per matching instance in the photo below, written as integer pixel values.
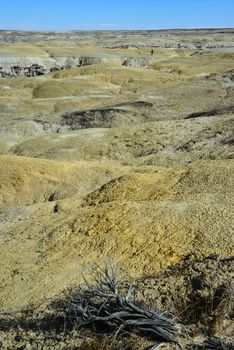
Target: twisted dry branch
(108, 304)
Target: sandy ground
(107, 161)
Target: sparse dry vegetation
(104, 312)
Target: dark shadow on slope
(211, 113)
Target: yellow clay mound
(145, 221)
(138, 187)
(25, 181)
(50, 89)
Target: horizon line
(114, 30)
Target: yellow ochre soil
(134, 164)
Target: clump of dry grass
(205, 303)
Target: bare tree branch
(108, 303)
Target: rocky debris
(87, 61)
(96, 118)
(59, 63)
(106, 117)
(17, 66)
(32, 70)
(16, 71)
(136, 62)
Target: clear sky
(115, 14)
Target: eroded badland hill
(120, 146)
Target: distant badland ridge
(29, 36)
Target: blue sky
(115, 14)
